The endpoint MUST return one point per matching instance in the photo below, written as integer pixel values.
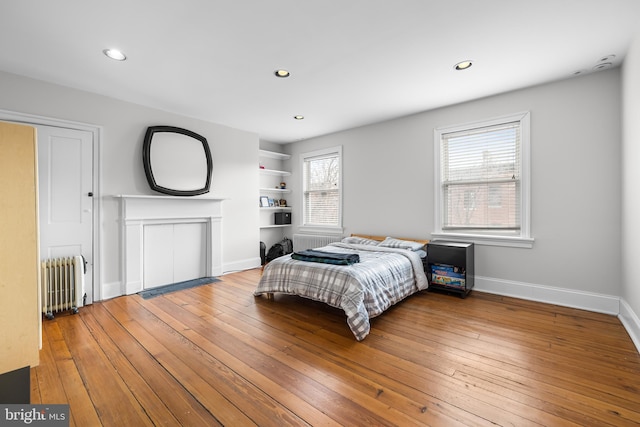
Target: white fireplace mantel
(139, 211)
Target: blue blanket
(311, 255)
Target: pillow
(360, 241)
(390, 242)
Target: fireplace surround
(143, 217)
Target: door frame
(96, 131)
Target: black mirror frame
(148, 169)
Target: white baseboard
(246, 264)
(110, 290)
(599, 303)
(631, 322)
(114, 289)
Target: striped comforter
(383, 277)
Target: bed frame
(381, 238)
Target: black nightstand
(450, 266)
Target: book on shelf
(442, 280)
(448, 275)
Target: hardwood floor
(215, 355)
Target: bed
(388, 271)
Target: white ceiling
(353, 62)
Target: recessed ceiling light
(115, 54)
(603, 66)
(298, 117)
(463, 65)
(282, 73)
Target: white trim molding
(631, 322)
(241, 265)
(138, 212)
(111, 290)
(599, 303)
(513, 242)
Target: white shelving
(271, 168)
(274, 172)
(275, 208)
(275, 190)
(273, 155)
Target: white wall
(235, 157)
(631, 190)
(576, 196)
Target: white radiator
(312, 241)
(62, 284)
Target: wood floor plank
(371, 358)
(217, 355)
(145, 330)
(197, 331)
(283, 375)
(81, 408)
(560, 404)
(107, 389)
(308, 365)
(184, 407)
(50, 389)
(247, 323)
(155, 408)
(602, 377)
(34, 388)
(523, 380)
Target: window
(482, 181)
(321, 186)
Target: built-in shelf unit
(271, 175)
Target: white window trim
(322, 229)
(524, 240)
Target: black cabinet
(15, 386)
(450, 266)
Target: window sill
(513, 242)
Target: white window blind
(321, 188)
(482, 181)
(481, 178)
